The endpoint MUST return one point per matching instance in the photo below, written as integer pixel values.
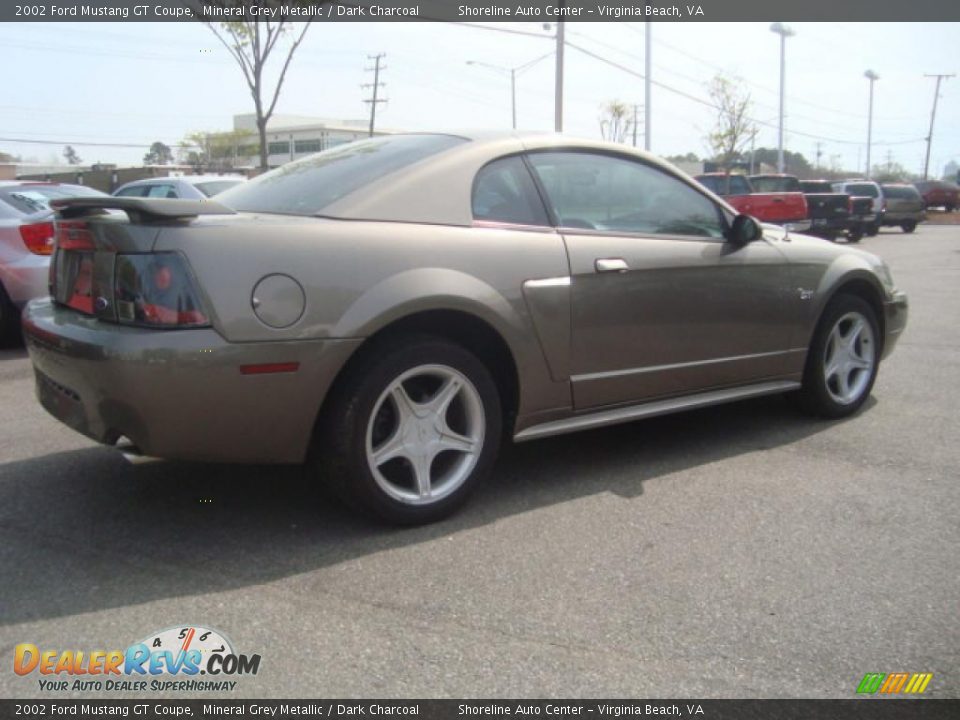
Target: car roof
(189, 179)
(437, 190)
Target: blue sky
(140, 82)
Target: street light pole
(784, 32)
(513, 71)
(558, 81)
(872, 77)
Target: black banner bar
(476, 10)
(855, 709)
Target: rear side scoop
(140, 209)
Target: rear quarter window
(310, 185)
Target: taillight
(156, 290)
(38, 237)
(74, 235)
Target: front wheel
(411, 431)
(843, 359)
(909, 226)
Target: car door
(662, 304)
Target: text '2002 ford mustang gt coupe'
(388, 310)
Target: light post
(784, 32)
(872, 77)
(513, 72)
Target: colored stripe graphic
(894, 683)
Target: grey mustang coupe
(388, 311)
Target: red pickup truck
(780, 208)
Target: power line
(707, 103)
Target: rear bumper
(179, 393)
(895, 218)
(895, 320)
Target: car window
(29, 199)
(135, 191)
(310, 185)
(726, 185)
(775, 184)
(162, 191)
(605, 192)
(504, 192)
(900, 192)
(216, 186)
(863, 190)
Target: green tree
(7, 157)
(794, 163)
(70, 155)
(733, 128)
(219, 150)
(689, 157)
(159, 154)
(251, 44)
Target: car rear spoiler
(140, 210)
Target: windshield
(775, 184)
(901, 192)
(216, 186)
(863, 190)
(811, 186)
(29, 199)
(310, 185)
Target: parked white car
(26, 241)
(186, 187)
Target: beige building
(290, 137)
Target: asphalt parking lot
(738, 551)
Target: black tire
(341, 452)
(855, 236)
(872, 230)
(909, 226)
(949, 208)
(818, 395)
(9, 321)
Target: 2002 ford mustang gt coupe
(390, 309)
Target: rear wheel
(872, 230)
(909, 226)
(855, 236)
(412, 431)
(843, 359)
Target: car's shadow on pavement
(82, 531)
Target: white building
(290, 137)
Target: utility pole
(376, 85)
(933, 115)
(635, 109)
(647, 69)
(819, 153)
(558, 80)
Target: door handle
(610, 265)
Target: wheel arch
(864, 286)
(467, 329)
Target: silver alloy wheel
(849, 358)
(425, 434)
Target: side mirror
(744, 230)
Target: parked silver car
(26, 241)
(186, 187)
(870, 189)
(388, 310)
(903, 207)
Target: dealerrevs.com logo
(168, 660)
